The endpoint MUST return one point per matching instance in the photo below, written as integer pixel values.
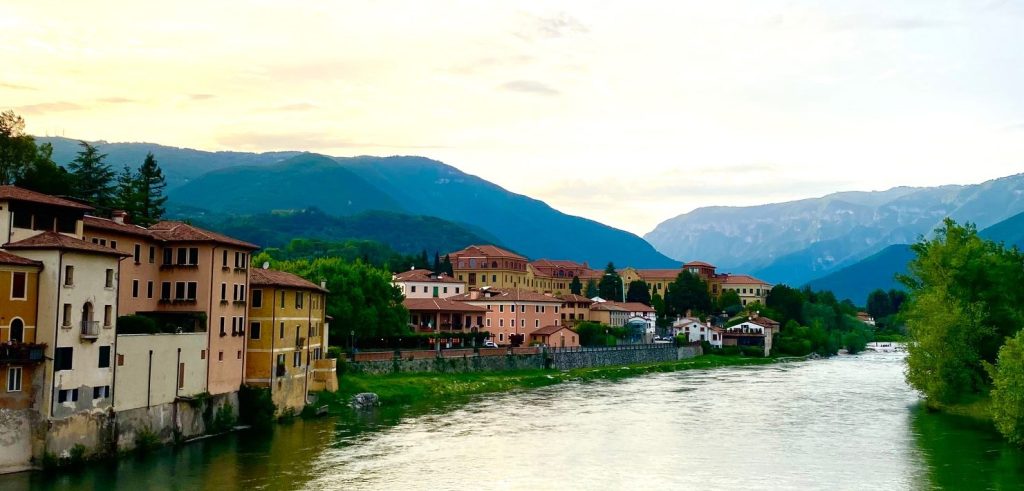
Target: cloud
(116, 100)
(49, 107)
(551, 27)
(299, 106)
(530, 87)
(256, 141)
(492, 62)
(201, 97)
(5, 85)
(886, 23)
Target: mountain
(179, 164)
(415, 186)
(797, 241)
(305, 180)
(406, 234)
(856, 281)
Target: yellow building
(286, 344)
(488, 265)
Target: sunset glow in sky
(625, 112)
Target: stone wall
(169, 422)
(561, 359)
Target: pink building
(514, 314)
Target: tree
(639, 291)
(92, 177)
(879, 304)
(126, 194)
(576, 286)
(446, 266)
(610, 286)
(688, 292)
(437, 262)
(149, 186)
(788, 302)
(422, 262)
(45, 176)
(592, 290)
(17, 150)
(729, 300)
(1008, 389)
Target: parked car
(490, 344)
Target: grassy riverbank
(407, 388)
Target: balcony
(300, 343)
(90, 329)
(22, 353)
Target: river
(849, 422)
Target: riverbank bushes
(965, 303)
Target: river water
(848, 422)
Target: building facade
(423, 283)
(489, 266)
(513, 314)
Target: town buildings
(423, 283)
(513, 314)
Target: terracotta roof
(112, 226)
(764, 321)
(659, 273)
(549, 330)
(506, 295)
(9, 259)
(687, 320)
(486, 250)
(182, 232)
(609, 306)
(425, 275)
(575, 298)
(699, 263)
(53, 240)
(440, 304)
(270, 277)
(737, 279)
(633, 306)
(14, 193)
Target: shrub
(1008, 389)
(146, 440)
(755, 351)
(334, 352)
(136, 324)
(255, 407)
(76, 456)
(224, 420)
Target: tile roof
(53, 240)
(609, 306)
(506, 295)
(659, 273)
(634, 306)
(9, 259)
(575, 298)
(271, 277)
(425, 275)
(745, 279)
(112, 226)
(549, 330)
(698, 263)
(14, 193)
(486, 250)
(440, 304)
(172, 231)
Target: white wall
(141, 384)
(425, 289)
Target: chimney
(688, 313)
(119, 216)
(323, 284)
(474, 295)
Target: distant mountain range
(247, 183)
(798, 241)
(879, 270)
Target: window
(488, 323)
(241, 292)
(456, 290)
(222, 332)
(257, 299)
(254, 330)
(280, 364)
(182, 255)
(223, 292)
(239, 355)
(282, 331)
(501, 336)
(149, 289)
(67, 315)
(165, 290)
(109, 283)
(113, 244)
(446, 289)
(137, 253)
(414, 288)
(67, 395)
(168, 256)
(19, 285)
(101, 392)
(501, 322)
(501, 308)
(179, 290)
(202, 355)
(298, 300)
(220, 355)
(522, 322)
(282, 300)
(152, 254)
(14, 379)
(62, 358)
(135, 288)
(192, 287)
(120, 359)
(494, 278)
(297, 359)
(181, 375)
(69, 275)
(193, 256)
(234, 326)
(536, 323)
(522, 308)
(108, 315)
(225, 259)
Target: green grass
(978, 408)
(410, 388)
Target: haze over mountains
(244, 183)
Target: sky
(627, 112)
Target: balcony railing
(22, 353)
(90, 329)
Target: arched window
(17, 331)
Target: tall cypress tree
(93, 178)
(150, 186)
(576, 287)
(126, 195)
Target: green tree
(879, 304)
(126, 193)
(592, 290)
(17, 149)
(1008, 389)
(639, 291)
(788, 302)
(610, 286)
(93, 178)
(688, 292)
(149, 187)
(576, 286)
(728, 300)
(45, 176)
(446, 266)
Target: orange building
(555, 336)
(513, 314)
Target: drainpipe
(309, 340)
(149, 379)
(56, 331)
(209, 312)
(117, 310)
